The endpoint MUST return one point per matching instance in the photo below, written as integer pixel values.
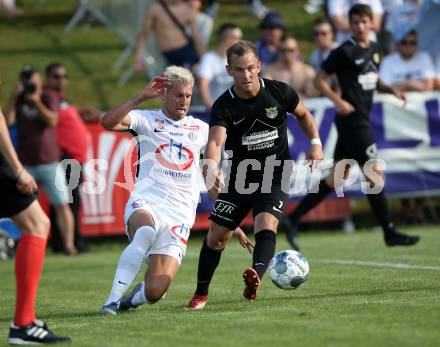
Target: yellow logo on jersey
(271, 112)
(376, 58)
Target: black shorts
(185, 56)
(232, 207)
(12, 201)
(357, 144)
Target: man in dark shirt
(355, 64)
(72, 138)
(253, 116)
(19, 203)
(36, 118)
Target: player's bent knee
(215, 243)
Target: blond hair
(179, 74)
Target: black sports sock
(379, 205)
(265, 241)
(208, 261)
(310, 201)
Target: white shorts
(172, 234)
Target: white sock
(130, 262)
(139, 298)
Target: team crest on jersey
(271, 112)
(159, 125)
(376, 58)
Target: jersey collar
(231, 90)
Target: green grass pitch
(359, 293)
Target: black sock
(379, 205)
(264, 250)
(310, 201)
(208, 262)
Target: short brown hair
(241, 48)
(360, 10)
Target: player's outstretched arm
(385, 88)
(308, 126)
(118, 119)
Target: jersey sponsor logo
(271, 112)
(368, 80)
(225, 207)
(359, 61)
(238, 121)
(259, 137)
(181, 232)
(174, 156)
(191, 127)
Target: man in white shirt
(162, 206)
(338, 13)
(213, 78)
(408, 69)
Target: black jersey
(357, 71)
(257, 127)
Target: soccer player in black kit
(253, 116)
(355, 63)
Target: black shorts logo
(223, 207)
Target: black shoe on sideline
(400, 239)
(33, 334)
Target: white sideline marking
(378, 264)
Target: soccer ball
(288, 269)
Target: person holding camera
(38, 150)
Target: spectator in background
(409, 70)
(268, 45)
(167, 20)
(338, 13)
(255, 8)
(324, 38)
(204, 23)
(289, 70)
(402, 18)
(72, 138)
(38, 150)
(212, 77)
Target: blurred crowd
(50, 128)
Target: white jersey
(168, 172)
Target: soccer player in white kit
(162, 206)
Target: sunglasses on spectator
(320, 33)
(60, 76)
(288, 49)
(408, 43)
